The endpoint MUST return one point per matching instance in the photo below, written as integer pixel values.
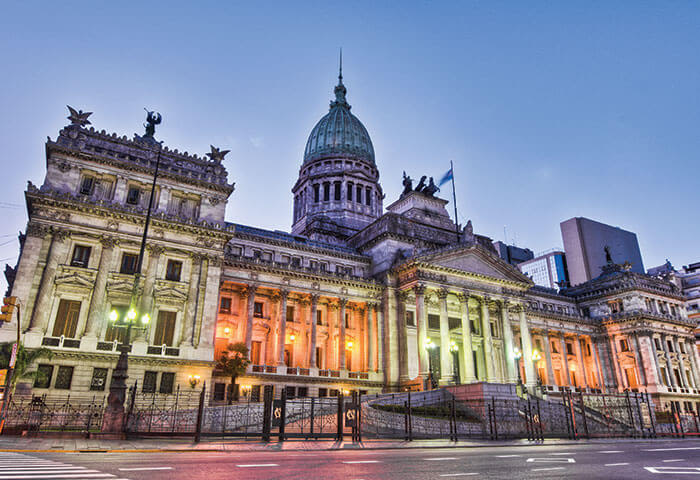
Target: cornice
(302, 247)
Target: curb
(350, 448)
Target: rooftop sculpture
(427, 190)
(78, 118)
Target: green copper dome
(339, 133)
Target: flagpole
(454, 198)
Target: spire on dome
(340, 90)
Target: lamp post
(114, 414)
(454, 348)
(536, 357)
(518, 354)
(430, 346)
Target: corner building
(356, 298)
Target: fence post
(539, 421)
(639, 414)
(495, 421)
(267, 413)
(454, 418)
(341, 417)
(652, 416)
(130, 410)
(583, 413)
(410, 418)
(283, 414)
(359, 417)
(567, 416)
(629, 411)
(313, 405)
(405, 420)
(200, 414)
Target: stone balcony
(284, 373)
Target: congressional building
(359, 296)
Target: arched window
(350, 187)
(368, 196)
(326, 191)
(359, 194)
(336, 191)
(317, 193)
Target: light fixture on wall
(194, 381)
(292, 337)
(348, 345)
(227, 331)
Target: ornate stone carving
(442, 293)
(37, 230)
(109, 242)
(155, 249)
(419, 289)
(60, 234)
(78, 118)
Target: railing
(163, 350)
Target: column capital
(342, 302)
(442, 293)
(249, 290)
(108, 241)
(154, 249)
(419, 289)
(505, 302)
(37, 230)
(314, 298)
(463, 297)
(60, 234)
(485, 300)
(402, 295)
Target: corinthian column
(341, 339)
(36, 237)
(402, 337)
(488, 341)
(249, 294)
(371, 337)
(508, 343)
(282, 319)
(530, 379)
(191, 308)
(312, 347)
(423, 362)
(96, 313)
(467, 348)
(445, 363)
(40, 315)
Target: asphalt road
(623, 460)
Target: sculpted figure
(421, 185)
(431, 188)
(407, 184)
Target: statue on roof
(608, 256)
(78, 118)
(152, 119)
(421, 185)
(407, 184)
(217, 155)
(431, 188)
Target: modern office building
(512, 254)
(585, 243)
(547, 269)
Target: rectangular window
(99, 379)
(313, 264)
(255, 352)
(569, 349)
(410, 319)
(454, 322)
(66, 319)
(433, 321)
(167, 381)
(81, 256)
(87, 186)
(291, 391)
(149, 382)
(43, 376)
(173, 270)
(623, 345)
(554, 348)
(296, 262)
(225, 305)
(165, 328)
(475, 327)
(129, 263)
(336, 191)
(326, 192)
(538, 344)
(132, 197)
(64, 377)
(219, 392)
(258, 309)
(657, 343)
(317, 193)
(359, 194)
(347, 320)
(322, 392)
(350, 187)
(303, 392)
(588, 349)
(290, 313)
(116, 333)
(319, 317)
(368, 197)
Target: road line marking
(564, 453)
(674, 460)
(678, 470)
(553, 460)
(611, 451)
(440, 458)
(669, 449)
(457, 474)
(144, 468)
(362, 461)
(70, 475)
(544, 469)
(50, 472)
(507, 456)
(615, 464)
(258, 465)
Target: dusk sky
(549, 110)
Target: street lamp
(455, 361)
(518, 354)
(429, 346)
(536, 357)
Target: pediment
(474, 260)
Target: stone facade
(355, 298)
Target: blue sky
(548, 109)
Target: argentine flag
(446, 177)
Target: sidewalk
(75, 445)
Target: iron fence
(43, 413)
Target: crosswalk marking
(17, 466)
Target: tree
(233, 362)
(25, 360)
